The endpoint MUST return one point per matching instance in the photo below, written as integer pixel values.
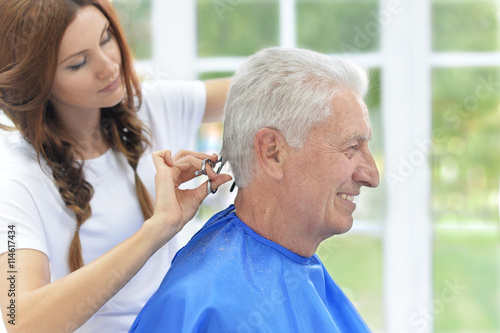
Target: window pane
(466, 157)
(338, 26)
(465, 25)
(237, 28)
(136, 19)
(214, 75)
(466, 282)
(465, 179)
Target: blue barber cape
(230, 279)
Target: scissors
(203, 170)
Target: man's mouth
(347, 197)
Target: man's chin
(343, 227)
(346, 225)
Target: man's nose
(367, 173)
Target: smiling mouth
(347, 197)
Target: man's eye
(349, 152)
(353, 149)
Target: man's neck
(269, 218)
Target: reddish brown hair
(30, 38)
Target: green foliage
(338, 26)
(214, 75)
(467, 147)
(135, 16)
(469, 261)
(355, 263)
(236, 28)
(466, 25)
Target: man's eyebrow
(84, 51)
(359, 137)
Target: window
(465, 176)
(135, 16)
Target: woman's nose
(108, 69)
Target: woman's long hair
(30, 36)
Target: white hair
(286, 89)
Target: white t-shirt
(31, 203)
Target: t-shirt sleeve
(173, 110)
(19, 215)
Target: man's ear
(270, 150)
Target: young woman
(87, 210)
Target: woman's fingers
(216, 182)
(184, 165)
(191, 166)
(185, 162)
(183, 153)
(162, 157)
(176, 206)
(168, 158)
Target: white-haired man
(296, 134)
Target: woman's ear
(270, 150)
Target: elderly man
(296, 135)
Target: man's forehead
(347, 102)
(350, 117)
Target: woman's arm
(216, 98)
(66, 304)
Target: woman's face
(88, 75)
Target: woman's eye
(78, 66)
(108, 38)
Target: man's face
(327, 173)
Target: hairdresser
(89, 199)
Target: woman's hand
(174, 207)
(86, 290)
